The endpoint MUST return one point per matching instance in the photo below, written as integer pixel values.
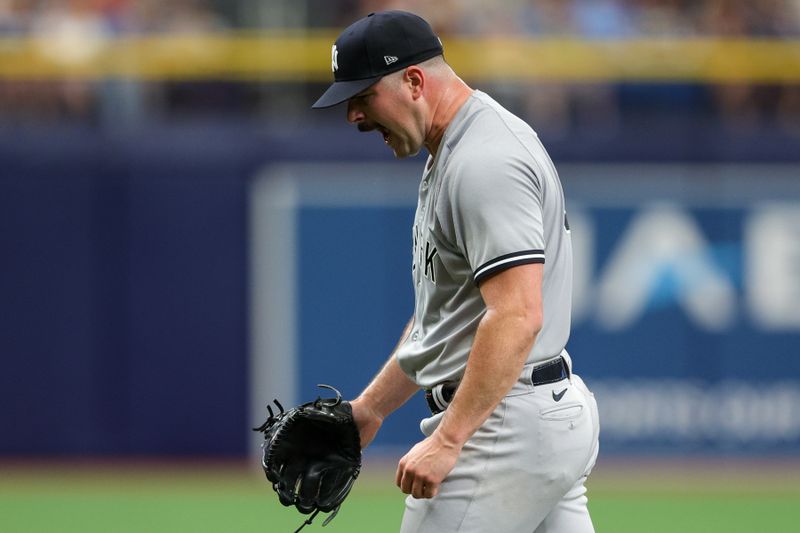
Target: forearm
(389, 390)
(502, 343)
(391, 387)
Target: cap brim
(343, 90)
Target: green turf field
(169, 497)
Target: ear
(415, 79)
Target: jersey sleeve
(496, 206)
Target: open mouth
(385, 133)
(364, 127)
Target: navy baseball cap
(377, 45)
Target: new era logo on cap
(377, 45)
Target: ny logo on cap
(334, 58)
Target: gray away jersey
(489, 200)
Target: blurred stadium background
(181, 240)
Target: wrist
(367, 404)
(450, 436)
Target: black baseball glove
(312, 454)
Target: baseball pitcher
(513, 431)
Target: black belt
(441, 395)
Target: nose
(354, 113)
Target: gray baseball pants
(523, 471)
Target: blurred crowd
(558, 109)
(21, 17)
(69, 30)
(600, 18)
(589, 18)
(73, 27)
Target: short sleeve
(496, 209)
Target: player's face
(387, 108)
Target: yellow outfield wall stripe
(286, 57)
